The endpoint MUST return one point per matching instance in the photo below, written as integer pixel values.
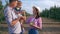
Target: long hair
(37, 13)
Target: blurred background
(50, 13)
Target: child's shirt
(18, 10)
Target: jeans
(33, 31)
(15, 33)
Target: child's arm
(24, 14)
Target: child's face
(19, 5)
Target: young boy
(20, 13)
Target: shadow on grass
(46, 29)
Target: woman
(35, 21)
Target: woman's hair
(37, 12)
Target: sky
(42, 4)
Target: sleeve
(28, 20)
(9, 17)
(40, 22)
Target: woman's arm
(31, 24)
(40, 22)
(35, 24)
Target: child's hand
(24, 17)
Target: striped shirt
(10, 16)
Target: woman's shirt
(37, 22)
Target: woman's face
(34, 11)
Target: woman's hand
(36, 27)
(31, 24)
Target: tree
(1, 6)
(53, 12)
(1, 12)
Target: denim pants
(33, 31)
(15, 33)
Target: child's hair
(10, 1)
(19, 2)
(37, 12)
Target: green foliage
(53, 12)
(27, 14)
(1, 6)
(45, 13)
(1, 12)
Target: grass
(47, 27)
